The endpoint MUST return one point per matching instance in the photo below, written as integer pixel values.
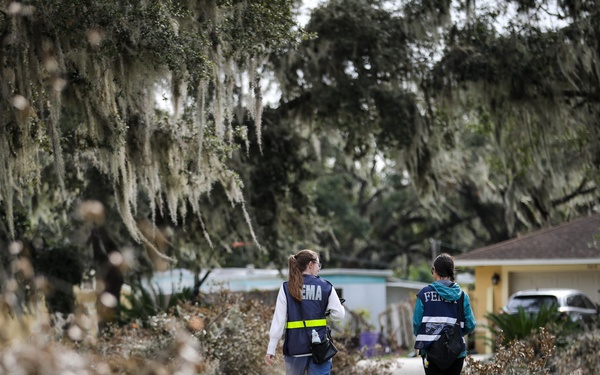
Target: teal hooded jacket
(448, 291)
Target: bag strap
(461, 306)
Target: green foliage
(479, 129)
(422, 273)
(101, 63)
(396, 124)
(334, 199)
(522, 325)
(143, 303)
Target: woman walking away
(437, 311)
(302, 305)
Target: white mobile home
(370, 291)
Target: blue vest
(315, 297)
(437, 313)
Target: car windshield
(531, 303)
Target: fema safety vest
(315, 297)
(437, 313)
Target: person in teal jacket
(435, 308)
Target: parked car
(571, 302)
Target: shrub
(527, 357)
(163, 346)
(522, 325)
(234, 333)
(537, 354)
(143, 303)
(580, 355)
(227, 333)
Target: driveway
(409, 366)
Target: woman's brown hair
(297, 264)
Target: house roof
(575, 242)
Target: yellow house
(564, 256)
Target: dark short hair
(444, 265)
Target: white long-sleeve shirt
(337, 312)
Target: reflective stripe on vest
(309, 323)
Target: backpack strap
(461, 307)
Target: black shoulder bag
(324, 350)
(444, 351)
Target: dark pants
(454, 369)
